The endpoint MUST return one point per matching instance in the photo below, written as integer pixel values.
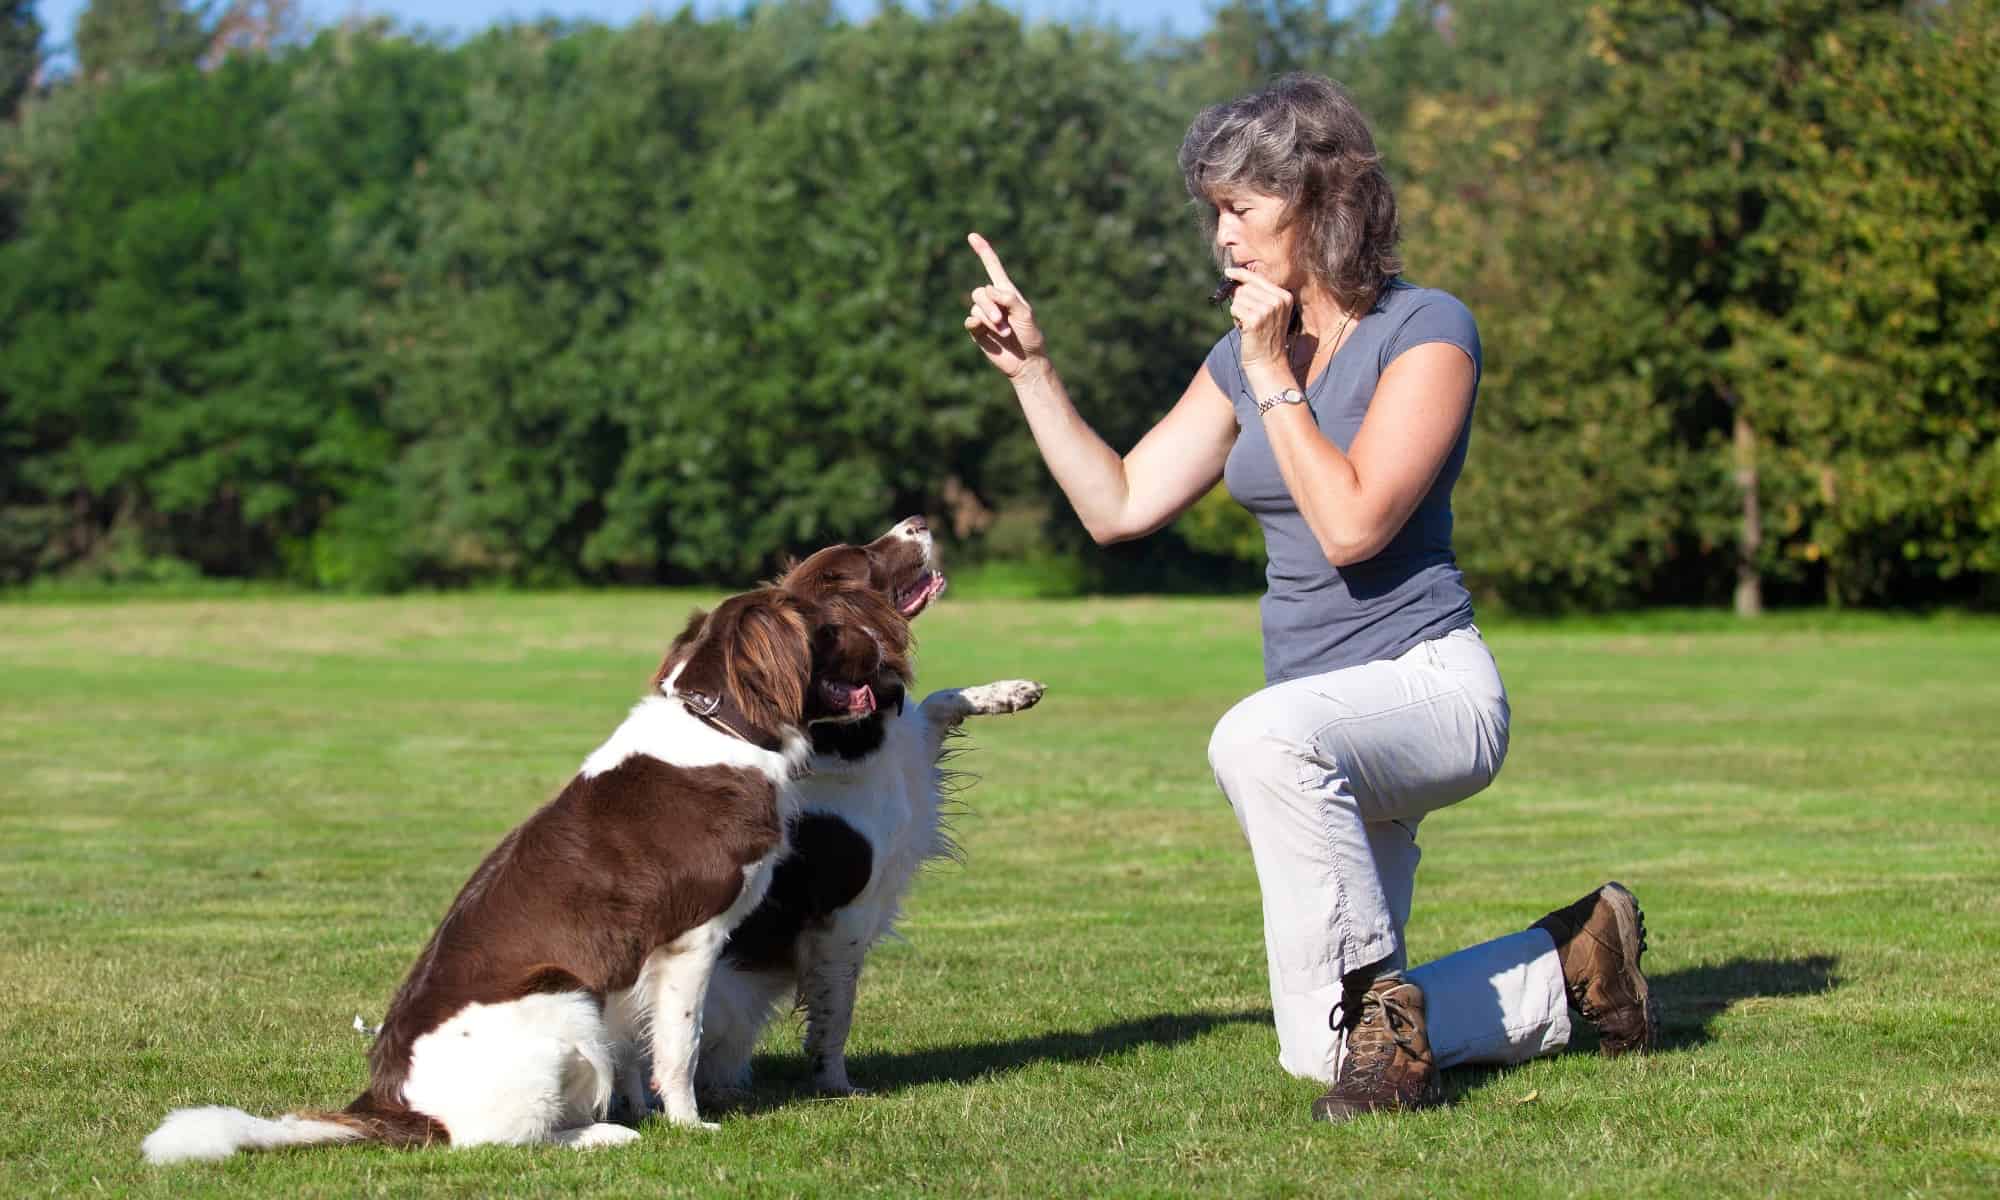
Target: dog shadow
(784, 1079)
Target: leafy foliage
(20, 53)
(666, 302)
(116, 39)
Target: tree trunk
(1749, 585)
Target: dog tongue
(861, 701)
(925, 592)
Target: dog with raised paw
(869, 819)
(594, 928)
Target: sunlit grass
(228, 823)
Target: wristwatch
(1286, 396)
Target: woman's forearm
(1324, 485)
(1090, 473)
(1356, 500)
(1321, 479)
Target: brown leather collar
(721, 713)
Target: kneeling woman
(1338, 410)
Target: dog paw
(723, 1098)
(1006, 696)
(598, 1136)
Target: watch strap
(1289, 395)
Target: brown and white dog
(868, 820)
(595, 925)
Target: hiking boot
(1599, 940)
(1387, 1063)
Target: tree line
(358, 309)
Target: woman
(1338, 410)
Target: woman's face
(1250, 229)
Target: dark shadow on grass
(1690, 1000)
(784, 1079)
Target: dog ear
(834, 566)
(677, 650)
(886, 632)
(767, 657)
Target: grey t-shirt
(1318, 617)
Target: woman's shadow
(1690, 1000)
(781, 1079)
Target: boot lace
(1374, 1055)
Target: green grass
(227, 825)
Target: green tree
(115, 38)
(538, 239)
(801, 371)
(168, 375)
(20, 55)
(1880, 378)
(1573, 492)
(1704, 116)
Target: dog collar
(719, 712)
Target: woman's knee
(1240, 739)
(1254, 754)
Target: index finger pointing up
(994, 271)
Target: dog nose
(915, 526)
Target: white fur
(661, 726)
(514, 1073)
(664, 1007)
(543, 1068)
(191, 1134)
(892, 799)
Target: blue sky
(468, 16)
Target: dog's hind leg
(514, 1073)
(625, 1018)
(594, 1137)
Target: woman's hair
(1303, 140)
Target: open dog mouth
(913, 599)
(851, 701)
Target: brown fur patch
(614, 867)
(398, 1128)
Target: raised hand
(1000, 321)
(1263, 311)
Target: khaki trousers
(1329, 776)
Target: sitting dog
(869, 819)
(597, 922)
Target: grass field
(226, 826)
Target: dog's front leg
(951, 706)
(827, 986)
(679, 974)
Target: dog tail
(216, 1132)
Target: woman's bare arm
(1117, 498)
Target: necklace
(1346, 319)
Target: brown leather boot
(1388, 1063)
(1599, 940)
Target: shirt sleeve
(1436, 317)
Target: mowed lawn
(226, 827)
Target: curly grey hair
(1302, 139)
